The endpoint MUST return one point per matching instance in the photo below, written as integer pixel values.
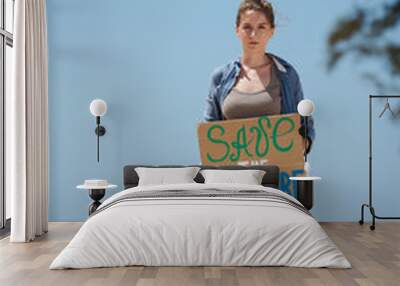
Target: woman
(258, 83)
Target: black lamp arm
(100, 131)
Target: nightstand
(305, 193)
(97, 190)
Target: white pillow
(248, 177)
(162, 176)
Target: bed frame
(270, 179)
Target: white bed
(202, 231)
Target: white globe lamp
(305, 107)
(98, 108)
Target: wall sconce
(306, 108)
(98, 108)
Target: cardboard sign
(258, 141)
(285, 172)
(265, 140)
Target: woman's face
(254, 31)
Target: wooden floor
(375, 257)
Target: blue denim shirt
(224, 78)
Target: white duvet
(200, 231)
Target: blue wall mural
(151, 62)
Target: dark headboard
(271, 177)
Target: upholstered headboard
(271, 177)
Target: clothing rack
(370, 205)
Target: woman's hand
(305, 144)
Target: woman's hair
(262, 6)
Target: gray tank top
(239, 104)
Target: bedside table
(305, 193)
(97, 191)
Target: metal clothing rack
(370, 205)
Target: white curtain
(27, 123)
